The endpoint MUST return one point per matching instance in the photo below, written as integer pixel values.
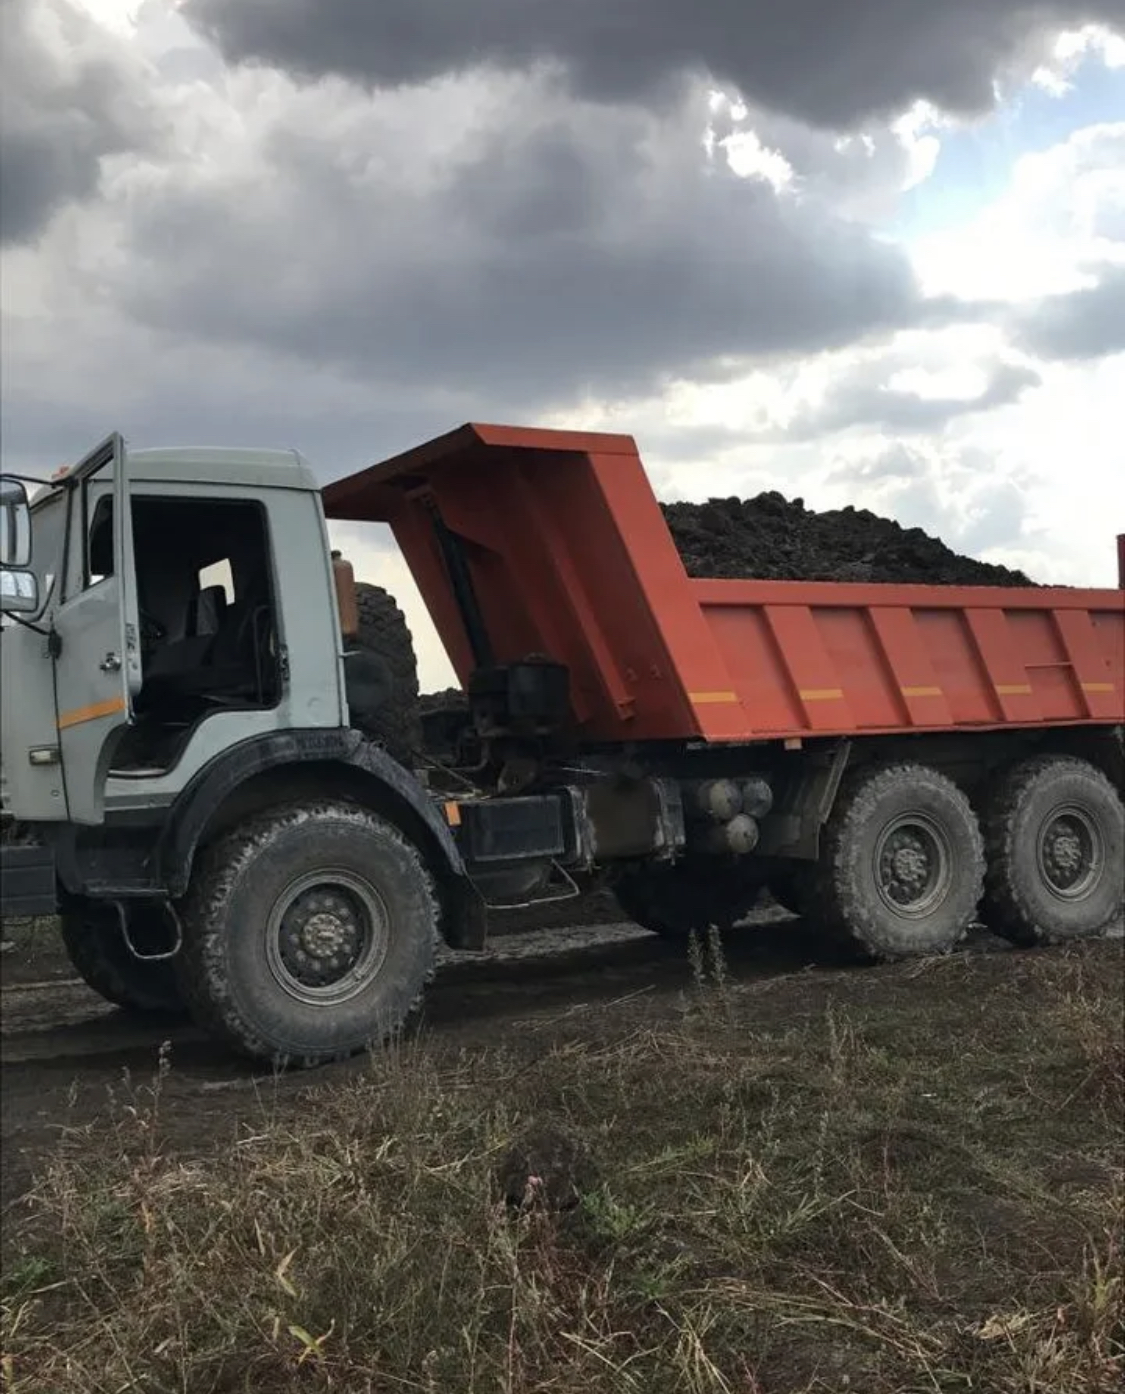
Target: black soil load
(772, 538)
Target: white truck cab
(165, 629)
(195, 691)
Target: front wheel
(98, 952)
(1055, 838)
(309, 934)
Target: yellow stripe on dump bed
(710, 699)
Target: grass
(912, 1185)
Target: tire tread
(383, 630)
(1009, 912)
(219, 868)
(147, 988)
(837, 898)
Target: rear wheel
(309, 934)
(91, 934)
(902, 867)
(383, 675)
(1055, 841)
(672, 901)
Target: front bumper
(28, 884)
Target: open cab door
(95, 631)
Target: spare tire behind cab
(381, 675)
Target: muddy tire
(902, 864)
(383, 677)
(1055, 848)
(91, 935)
(309, 934)
(673, 901)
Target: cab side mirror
(15, 525)
(19, 587)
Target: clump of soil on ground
(773, 538)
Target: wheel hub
(909, 865)
(912, 865)
(327, 937)
(1069, 854)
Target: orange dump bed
(567, 555)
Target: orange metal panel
(908, 666)
(569, 556)
(958, 666)
(809, 668)
(1097, 693)
(1004, 664)
(690, 659)
(756, 665)
(853, 647)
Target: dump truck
(217, 779)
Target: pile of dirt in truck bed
(778, 539)
(772, 538)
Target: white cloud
(1066, 440)
(1061, 215)
(117, 15)
(1071, 49)
(917, 131)
(1036, 483)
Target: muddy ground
(64, 1052)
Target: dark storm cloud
(168, 390)
(1084, 324)
(560, 248)
(830, 62)
(67, 99)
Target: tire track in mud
(61, 1019)
(61, 1024)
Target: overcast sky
(870, 253)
